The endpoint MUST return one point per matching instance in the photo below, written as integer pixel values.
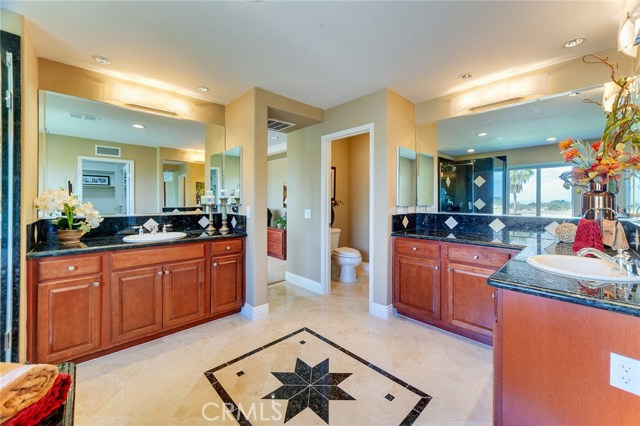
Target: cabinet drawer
(67, 267)
(415, 247)
(153, 256)
(275, 236)
(478, 255)
(232, 246)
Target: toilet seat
(345, 252)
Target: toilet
(345, 259)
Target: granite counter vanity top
(518, 275)
(98, 244)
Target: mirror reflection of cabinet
(407, 177)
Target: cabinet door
(183, 292)
(227, 282)
(68, 321)
(416, 286)
(136, 303)
(470, 303)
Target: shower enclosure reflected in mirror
(473, 186)
(407, 177)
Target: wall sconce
(501, 92)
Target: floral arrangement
(67, 210)
(608, 160)
(335, 202)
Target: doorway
(326, 187)
(276, 207)
(107, 184)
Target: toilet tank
(335, 238)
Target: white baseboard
(303, 282)
(380, 311)
(255, 313)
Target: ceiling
(323, 53)
(524, 125)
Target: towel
(33, 414)
(620, 241)
(587, 235)
(608, 232)
(22, 385)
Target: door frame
(130, 182)
(325, 210)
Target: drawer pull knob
(449, 269)
(437, 268)
(159, 272)
(228, 247)
(493, 296)
(167, 272)
(414, 248)
(215, 264)
(96, 284)
(475, 257)
(72, 268)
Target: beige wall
(359, 194)
(213, 143)
(340, 160)
(276, 177)
(62, 165)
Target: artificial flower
(68, 210)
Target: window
(538, 191)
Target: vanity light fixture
(481, 134)
(102, 60)
(471, 150)
(574, 42)
(202, 89)
(551, 139)
(465, 76)
(139, 126)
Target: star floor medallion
(309, 387)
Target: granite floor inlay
(312, 381)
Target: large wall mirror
(124, 161)
(471, 148)
(407, 177)
(226, 175)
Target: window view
(538, 191)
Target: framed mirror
(426, 183)
(407, 177)
(124, 161)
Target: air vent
(107, 151)
(278, 125)
(82, 116)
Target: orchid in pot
(72, 218)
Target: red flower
(596, 145)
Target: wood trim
(123, 259)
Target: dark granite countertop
(98, 244)
(518, 275)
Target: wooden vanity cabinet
(84, 306)
(277, 243)
(458, 300)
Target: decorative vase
(598, 199)
(70, 236)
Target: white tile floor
(162, 382)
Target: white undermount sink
(152, 238)
(581, 268)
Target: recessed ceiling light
(202, 89)
(574, 42)
(102, 60)
(465, 76)
(139, 126)
(471, 150)
(482, 134)
(551, 139)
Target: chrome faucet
(165, 226)
(140, 229)
(622, 260)
(154, 230)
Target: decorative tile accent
(405, 222)
(551, 228)
(204, 221)
(389, 397)
(479, 181)
(302, 342)
(453, 237)
(234, 222)
(204, 234)
(497, 225)
(496, 240)
(150, 224)
(451, 222)
(175, 211)
(240, 373)
(479, 204)
(448, 181)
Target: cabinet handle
(72, 268)
(493, 295)
(159, 272)
(228, 247)
(167, 272)
(449, 269)
(437, 268)
(475, 257)
(96, 284)
(414, 248)
(215, 264)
